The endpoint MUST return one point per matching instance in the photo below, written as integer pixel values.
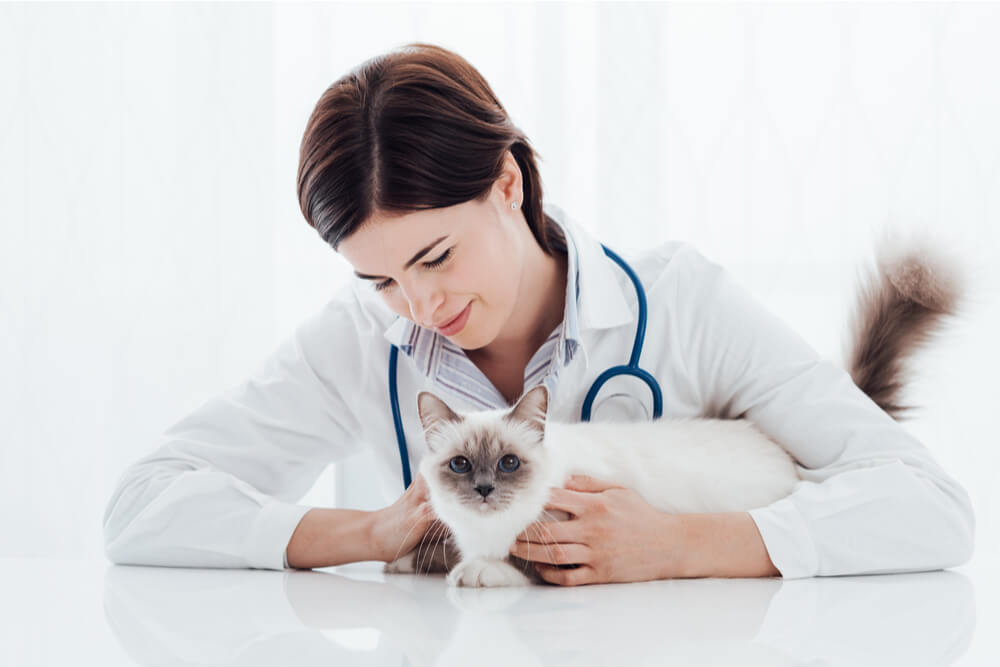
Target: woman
(411, 169)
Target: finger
(567, 577)
(551, 532)
(590, 484)
(574, 502)
(555, 554)
(419, 484)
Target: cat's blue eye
(460, 464)
(509, 463)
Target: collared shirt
(221, 488)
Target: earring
(513, 205)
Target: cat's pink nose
(484, 489)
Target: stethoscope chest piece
(619, 401)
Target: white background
(152, 251)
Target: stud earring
(513, 205)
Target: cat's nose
(484, 489)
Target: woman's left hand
(613, 535)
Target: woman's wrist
(723, 544)
(374, 538)
(328, 536)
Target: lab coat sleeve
(871, 499)
(220, 489)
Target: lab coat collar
(601, 301)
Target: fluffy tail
(900, 307)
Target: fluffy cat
(489, 473)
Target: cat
(489, 473)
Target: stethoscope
(631, 369)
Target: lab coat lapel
(604, 303)
(397, 332)
(603, 300)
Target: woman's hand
(613, 535)
(400, 527)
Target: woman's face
(474, 257)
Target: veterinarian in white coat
(221, 488)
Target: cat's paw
(402, 565)
(486, 573)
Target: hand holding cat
(613, 535)
(400, 527)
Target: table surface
(60, 612)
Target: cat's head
(485, 461)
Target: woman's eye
(509, 463)
(433, 264)
(460, 464)
(440, 260)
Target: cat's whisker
(439, 536)
(436, 526)
(562, 551)
(402, 542)
(539, 528)
(549, 515)
(421, 551)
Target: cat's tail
(900, 307)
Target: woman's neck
(541, 305)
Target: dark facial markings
(482, 467)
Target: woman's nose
(425, 300)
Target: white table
(90, 612)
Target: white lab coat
(221, 488)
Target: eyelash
(431, 265)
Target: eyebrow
(413, 260)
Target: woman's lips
(454, 326)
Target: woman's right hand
(400, 527)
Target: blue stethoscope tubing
(632, 368)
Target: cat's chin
(486, 506)
(483, 508)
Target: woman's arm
(326, 537)
(220, 490)
(726, 544)
(872, 498)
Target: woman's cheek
(397, 303)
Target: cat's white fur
(676, 465)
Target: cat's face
(484, 461)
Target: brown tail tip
(901, 307)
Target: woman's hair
(413, 129)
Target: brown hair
(416, 128)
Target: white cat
(489, 473)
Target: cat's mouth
(485, 504)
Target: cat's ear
(532, 407)
(433, 411)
